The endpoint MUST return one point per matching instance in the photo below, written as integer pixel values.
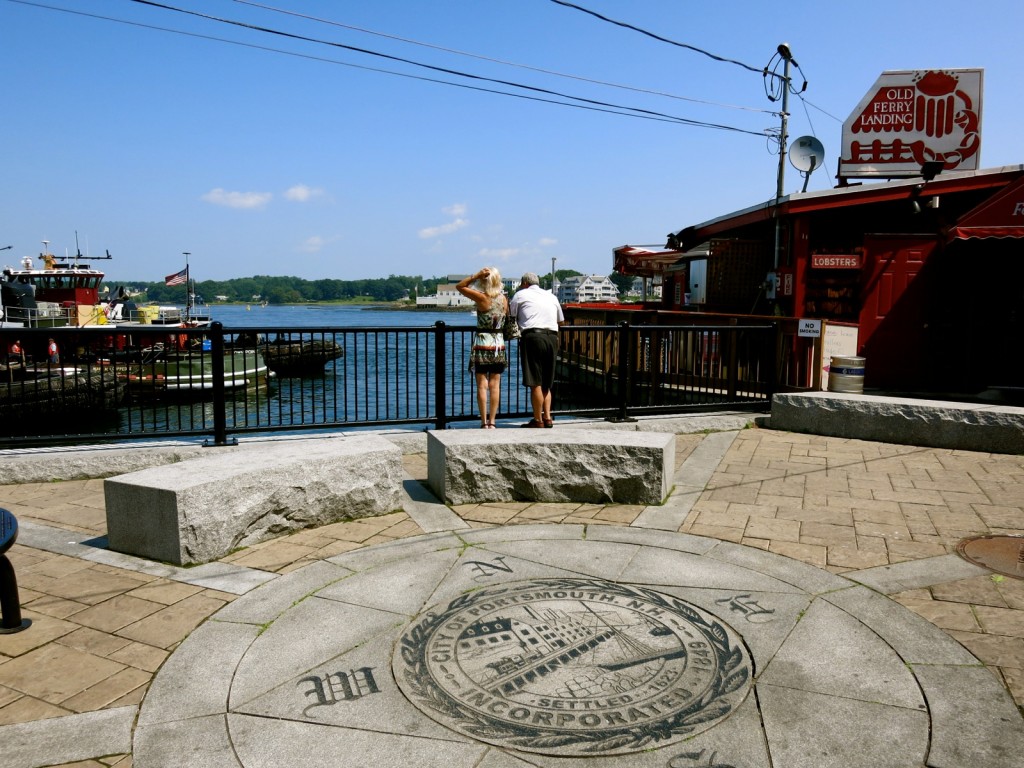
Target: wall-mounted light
(931, 169)
(915, 194)
(915, 199)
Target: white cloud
(499, 254)
(544, 242)
(243, 200)
(313, 244)
(317, 243)
(300, 193)
(445, 229)
(458, 210)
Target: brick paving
(100, 633)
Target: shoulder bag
(510, 328)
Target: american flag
(178, 278)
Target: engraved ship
(522, 651)
(529, 649)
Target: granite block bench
(200, 509)
(991, 428)
(468, 466)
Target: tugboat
(65, 293)
(61, 294)
(141, 343)
(36, 388)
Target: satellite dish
(806, 154)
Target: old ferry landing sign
(573, 667)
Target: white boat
(190, 373)
(144, 349)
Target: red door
(893, 332)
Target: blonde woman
(487, 358)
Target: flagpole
(188, 303)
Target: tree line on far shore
(294, 290)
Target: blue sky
(150, 143)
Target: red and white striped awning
(643, 262)
(1002, 215)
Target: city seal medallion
(572, 666)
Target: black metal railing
(216, 382)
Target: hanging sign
(913, 117)
(835, 261)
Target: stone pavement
(797, 601)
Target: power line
(773, 94)
(325, 60)
(499, 61)
(815, 106)
(590, 105)
(687, 46)
(445, 70)
(764, 71)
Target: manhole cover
(573, 667)
(1002, 554)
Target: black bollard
(10, 606)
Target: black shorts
(538, 353)
(487, 367)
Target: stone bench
(201, 509)
(928, 423)
(554, 465)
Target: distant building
(509, 284)
(636, 290)
(582, 289)
(446, 296)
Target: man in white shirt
(538, 314)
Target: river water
(387, 373)
(331, 315)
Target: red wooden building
(930, 271)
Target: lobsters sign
(910, 118)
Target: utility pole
(554, 280)
(787, 58)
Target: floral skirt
(488, 353)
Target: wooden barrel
(846, 375)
